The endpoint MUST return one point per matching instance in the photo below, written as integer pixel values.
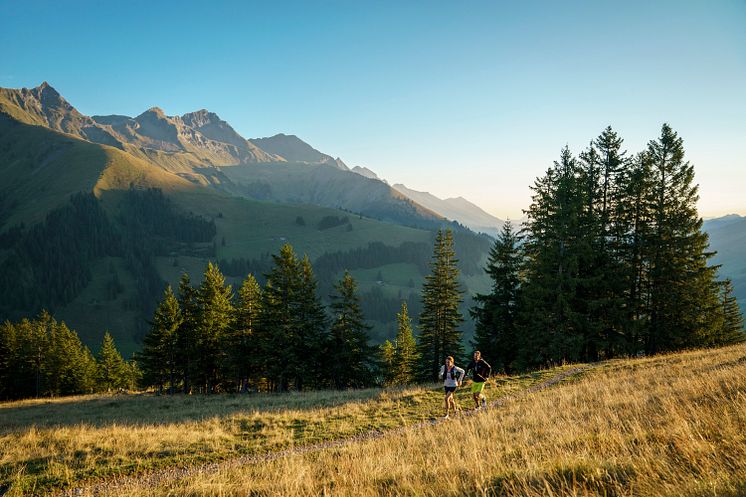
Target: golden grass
(57, 443)
(664, 426)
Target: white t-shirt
(454, 376)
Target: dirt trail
(153, 478)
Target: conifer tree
(683, 292)
(440, 318)
(495, 316)
(633, 228)
(242, 345)
(552, 315)
(69, 365)
(214, 320)
(160, 358)
(732, 330)
(405, 358)
(311, 335)
(112, 370)
(292, 325)
(387, 351)
(8, 358)
(350, 357)
(186, 339)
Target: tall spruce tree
(683, 292)
(495, 334)
(386, 351)
(242, 349)
(311, 323)
(440, 318)
(405, 355)
(552, 318)
(113, 372)
(633, 228)
(213, 324)
(732, 330)
(186, 339)
(292, 324)
(8, 358)
(350, 358)
(279, 302)
(160, 357)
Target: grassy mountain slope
(328, 186)
(665, 425)
(41, 168)
(49, 151)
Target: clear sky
(457, 98)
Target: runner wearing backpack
(480, 372)
(452, 377)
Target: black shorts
(449, 389)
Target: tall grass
(664, 426)
(57, 443)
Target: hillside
(728, 238)
(665, 425)
(195, 144)
(49, 152)
(328, 186)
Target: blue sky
(457, 98)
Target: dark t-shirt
(480, 370)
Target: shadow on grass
(147, 409)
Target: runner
(480, 371)
(452, 376)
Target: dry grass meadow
(663, 426)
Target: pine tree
(279, 338)
(405, 358)
(351, 358)
(732, 330)
(440, 318)
(386, 351)
(186, 339)
(552, 317)
(495, 334)
(310, 336)
(242, 348)
(214, 320)
(633, 228)
(113, 373)
(683, 291)
(160, 355)
(8, 359)
(600, 288)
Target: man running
(480, 371)
(452, 376)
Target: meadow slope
(669, 425)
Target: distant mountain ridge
(728, 237)
(457, 209)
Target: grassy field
(56, 443)
(670, 426)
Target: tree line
(276, 337)
(42, 357)
(611, 261)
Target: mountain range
(257, 193)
